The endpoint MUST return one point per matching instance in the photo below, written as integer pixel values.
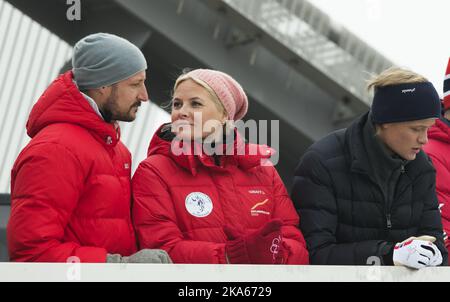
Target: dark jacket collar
(382, 160)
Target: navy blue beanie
(405, 102)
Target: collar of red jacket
(195, 158)
(62, 102)
(440, 131)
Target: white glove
(437, 259)
(417, 252)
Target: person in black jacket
(366, 194)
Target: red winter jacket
(438, 148)
(239, 192)
(70, 186)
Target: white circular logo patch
(199, 204)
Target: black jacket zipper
(390, 198)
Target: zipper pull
(402, 169)
(389, 222)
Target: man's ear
(99, 94)
(382, 126)
(104, 90)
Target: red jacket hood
(162, 146)
(62, 102)
(440, 131)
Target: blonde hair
(394, 76)
(213, 95)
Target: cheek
(128, 95)
(213, 114)
(411, 139)
(206, 116)
(122, 100)
(199, 116)
(406, 141)
(396, 141)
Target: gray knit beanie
(103, 59)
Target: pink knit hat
(227, 89)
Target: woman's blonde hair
(394, 76)
(213, 95)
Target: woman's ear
(224, 118)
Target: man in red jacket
(70, 186)
(438, 148)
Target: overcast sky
(411, 33)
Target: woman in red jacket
(215, 202)
(438, 149)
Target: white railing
(75, 272)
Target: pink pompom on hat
(446, 100)
(227, 89)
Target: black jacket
(356, 199)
